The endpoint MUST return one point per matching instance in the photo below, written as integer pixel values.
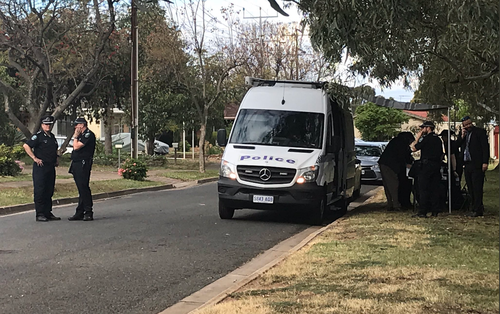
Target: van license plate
(263, 199)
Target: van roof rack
(253, 81)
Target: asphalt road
(141, 254)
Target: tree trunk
(201, 143)
(150, 145)
(108, 131)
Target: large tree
(378, 123)
(54, 51)
(451, 46)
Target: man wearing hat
(476, 154)
(431, 154)
(42, 148)
(81, 165)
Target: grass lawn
(374, 261)
(24, 195)
(189, 175)
(27, 177)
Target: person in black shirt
(42, 148)
(429, 176)
(393, 163)
(476, 154)
(81, 165)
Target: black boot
(88, 217)
(76, 217)
(51, 216)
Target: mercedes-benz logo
(265, 174)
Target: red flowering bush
(133, 169)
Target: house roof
(422, 115)
(230, 111)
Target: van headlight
(227, 170)
(308, 174)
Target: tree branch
(13, 117)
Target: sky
(250, 11)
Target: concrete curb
(71, 200)
(225, 286)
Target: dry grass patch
(374, 261)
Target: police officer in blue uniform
(42, 148)
(429, 174)
(81, 165)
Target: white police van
(291, 145)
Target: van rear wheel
(225, 212)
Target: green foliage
(8, 133)
(212, 138)
(106, 160)
(179, 149)
(133, 169)
(153, 160)
(212, 149)
(450, 46)
(378, 123)
(8, 157)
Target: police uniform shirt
(87, 138)
(44, 146)
(431, 147)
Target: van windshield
(278, 128)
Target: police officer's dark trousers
(474, 177)
(44, 178)
(81, 173)
(428, 180)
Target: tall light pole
(134, 134)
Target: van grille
(259, 174)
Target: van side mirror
(221, 137)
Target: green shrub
(8, 157)
(179, 150)
(212, 149)
(212, 137)
(133, 169)
(106, 160)
(153, 160)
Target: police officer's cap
(445, 133)
(48, 120)
(427, 123)
(80, 120)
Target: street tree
(378, 123)
(208, 68)
(54, 51)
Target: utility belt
(80, 163)
(84, 161)
(430, 162)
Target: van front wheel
(225, 212)
(319, 212)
